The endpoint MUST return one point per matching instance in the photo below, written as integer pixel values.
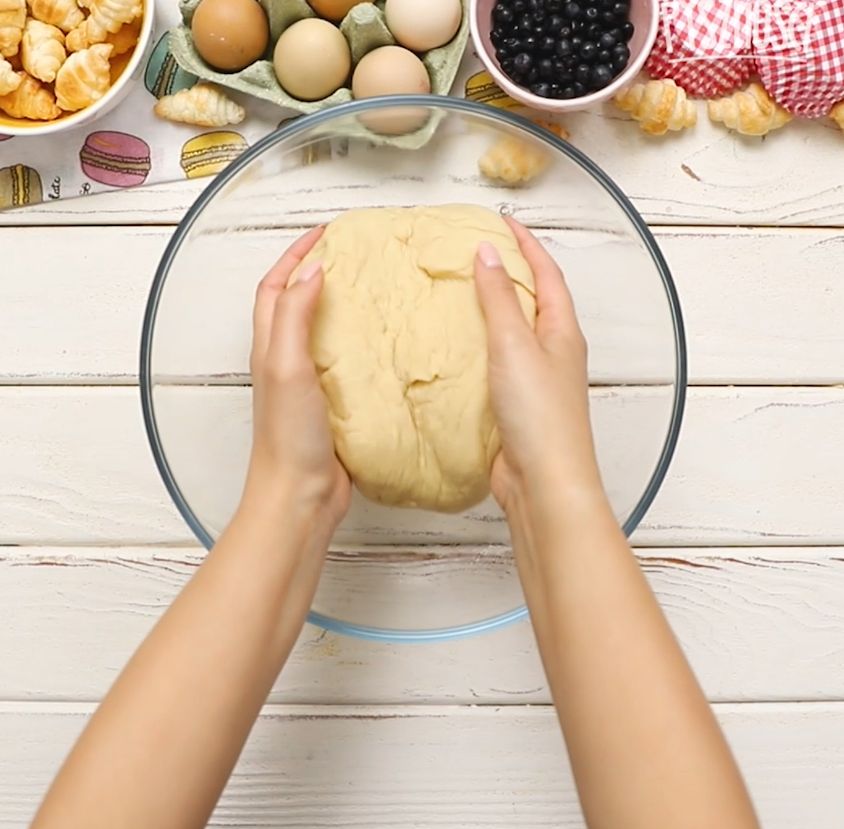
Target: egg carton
(364, 29)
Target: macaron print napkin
(131, 147)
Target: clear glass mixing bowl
(404, 575)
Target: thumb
(497, 296)
(293, 320)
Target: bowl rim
(305, 123)
(526, 97)
(84, 116)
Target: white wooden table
(744, 545)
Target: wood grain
(700, 177)
(756, 624)
(441, 767)
(754, 466)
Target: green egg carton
(364, 28)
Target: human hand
(538, 381)
(293, 457)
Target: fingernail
(308, 271)
(488, 254)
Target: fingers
(497, 297)
(555, 309)
(295, 308)
(273, 284)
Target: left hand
(292, 451)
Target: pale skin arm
(160, 748)
(645, 748)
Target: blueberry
(604, 56)
(579, 89)
(588, 52)
(538, 16)
(576, 43)
(525, 23)
(547, 45)
(572, 10)
(554, 24)
(556, 90)
(601, 76)
(519, 6)
(607, 40)
(627, 30)
(522, 63)
(554, 6)
(567, 92)
(542, 89)
(564, 48)
(591, 14)
(503, 15)
(593, 31)
(536, 6)
(507, 66)
(583, 74)
(546, 69)
(608, 18)
(528, 44)
(532, 76)
(621, 52)
(621, 8)
(497, 37)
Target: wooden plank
(761, 306)
(703, 176)
(754, 466)
(442, 766)
(760, 624)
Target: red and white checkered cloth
(704, 46)
(799, 48)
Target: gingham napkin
(799, 49)
(705, 46)
(711, 47)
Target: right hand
(537, 380)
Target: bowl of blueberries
(562, 55)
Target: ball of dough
(400, 345)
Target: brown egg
(334, 10)
(392, 70)
(230, 34)
(312, 59)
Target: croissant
(124, 38)
(42, 50)
(12, 19)
(513, 161)
(658, 106)
(203, 105)
(31, 99)
(750, 111)
(837, 114)
(84, 77)
(9, 79)
(64, 14)
(106, 16)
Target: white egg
(421, 26)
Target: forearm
(161, 746)
(645, 748)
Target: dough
(400, 345)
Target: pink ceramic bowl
(645, 17)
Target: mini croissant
(9, 79)
(124, 38)
(750, 111)
(12, 20)
(203, 105)
(84, 78)
(30, 100)
(658, 106)
(837, 114)
(64, 14)
(513, 161)
(42, 50)
(106, 16)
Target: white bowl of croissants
(65, 62)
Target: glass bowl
(393, 574)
